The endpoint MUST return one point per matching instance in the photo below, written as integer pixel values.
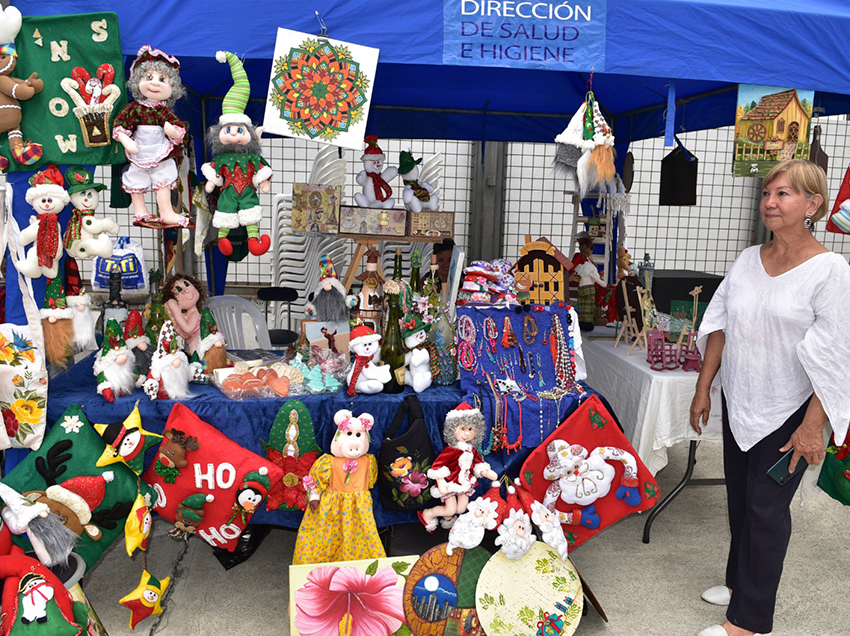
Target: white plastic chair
(228, 310)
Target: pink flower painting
(346, 600)
(414, 483)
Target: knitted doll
(458, 468)
(338, 524)
(48, 198)
(238, 168)
(152, 135)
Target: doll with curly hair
(152, 135)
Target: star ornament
(126, 442)
(138, 526)
(146, 599)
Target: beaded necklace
(466, 329)
(529, 329)
(492, 332)
(508, 336)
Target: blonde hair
(805, 177)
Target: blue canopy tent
(706, 46)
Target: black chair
(280, 337)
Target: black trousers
(760, 522)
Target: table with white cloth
(653, 407)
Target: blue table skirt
(249, 421)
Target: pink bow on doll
(367, 422)
(345, 425)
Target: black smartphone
(779, 471)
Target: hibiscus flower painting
(350, 598)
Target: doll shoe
(225, 246)
(717, 595)
(259, 246)
(430, 528)
(717, 630)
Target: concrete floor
(646, 589)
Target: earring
(809, 224)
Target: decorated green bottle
(415, 280)
(392, 348)
(397, 272)
(156, 319)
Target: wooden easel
(640, 338)
(629, 325)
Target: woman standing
(779, 323)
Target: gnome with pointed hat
(139, 345)
(168, 378)
(79, 302)
(87, 235)
(237, 168)
(329, 302)
(210, 353)
(48, 198)
(114, 366)
(375, 178)
(57, 323)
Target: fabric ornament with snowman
(365, 376)
(87, 235)
(375, 178)
(48, 198)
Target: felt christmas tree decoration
(588, 449)
(238, 168)
(126, 442)
(79, 302)
(146, 599)
(48, 198)
(113, 367)
(291, 446)
(62, 474)
(57, 323)
(196, 461)
(35, 601)
(137, 528)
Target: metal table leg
(689, 471)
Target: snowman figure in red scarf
(48, 198)
(374, 178)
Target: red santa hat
(82, 495)
(362, 334)
(495, 494)
(47, 182)
(461, 412)
(526, 499)
(134, 332)
(373, 151)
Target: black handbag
(404, 461)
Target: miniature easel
(363, 246)
(695, 293)
(629, 324)
(640, 338)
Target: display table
(249, 421)
(653, 407)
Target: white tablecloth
(652, 406)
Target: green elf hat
(193, 505)
(413, 323)
(112, 338)
(80, 178)
(406, 163)
(256, 479)
(233, 106)
(209, 333)
(55, 305)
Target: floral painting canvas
(355, 598)
(23, 389)
(320, 89)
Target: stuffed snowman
(417, 360)
(417, 195)
(374, 178)
(86, 235)
(48, 198)
(365, 376)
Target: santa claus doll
(114, 366)
(169, 375)
(515, 533)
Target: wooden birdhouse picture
(771, 125)
(547, 268)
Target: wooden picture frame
(355, 222)
(315, 208)
(431, 226)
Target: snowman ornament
(365, 376)
(374, 178)
(417, 195)
(417, 360)
(86, 235)
(48, 198)
(36, 593)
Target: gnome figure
(238, 168)
(139, 345)
(329, 302)
(417, 195)
(48, 198)
(86, 235)
(374, 178)
(210, 353)
(13, 90)
(417, 360)
(79, 302)
(365, 376)
(57, 323)
(114, 366)
(168, 378)
(51, 539)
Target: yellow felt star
(126, 442)
(138, 526)
(146, 599)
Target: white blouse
(786, 336)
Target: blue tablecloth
(249, 421)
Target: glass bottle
(392, 348)
(397, 273)
(442, 334)
(415, 280)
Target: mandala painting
(320, 89)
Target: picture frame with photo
(327, 334)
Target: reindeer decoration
(172, 453)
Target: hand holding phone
(779, 471)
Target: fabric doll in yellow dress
(338, 524)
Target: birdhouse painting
(546, 268)
(771, 125)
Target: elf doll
(238, 168)
(152, 136)
(458, 468)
